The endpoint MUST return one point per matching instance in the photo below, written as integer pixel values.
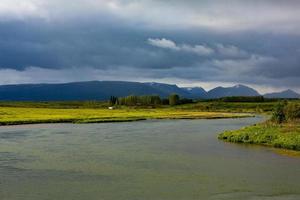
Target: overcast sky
(191, 43)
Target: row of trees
(148, 100)
(139, 100)
(243, 99)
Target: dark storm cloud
(255, 42)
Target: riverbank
(285, 135)
(17, 116)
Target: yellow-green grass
(13, 116)
(205, 106)
(286, 135)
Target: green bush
(292, 111)
(278, 114)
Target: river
(145, 160)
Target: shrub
(292, 111)
(278, 115)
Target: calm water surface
(155, 160)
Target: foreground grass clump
(13, 115)
(285, 135)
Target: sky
(189, 43)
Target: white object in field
(110, 108)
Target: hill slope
(237, 90)
(196, 92)
(283, 94)
(92, 90)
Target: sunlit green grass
(286, 135)
(13, 115)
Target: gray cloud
(163, 43)
(169, 44)
(231, 51)
(268, 15)
(253, 42)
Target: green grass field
(12, 113)
(95, 111)
(19, 115)
(219, 106)
(286, 135)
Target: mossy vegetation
(286, 135)
(281, 131)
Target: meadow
(13, 113)
(28, 115)
(203, 105)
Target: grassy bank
(285, 135)
(21, 115)
(281, 131)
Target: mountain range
(102, 90)
(284, 94)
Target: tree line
(148, 100)
(243, 99)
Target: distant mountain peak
(289, 90)
(238, 86)
(283, 94)
(236, 90)
(241, 86)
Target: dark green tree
(173, 99)
(113, 100)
